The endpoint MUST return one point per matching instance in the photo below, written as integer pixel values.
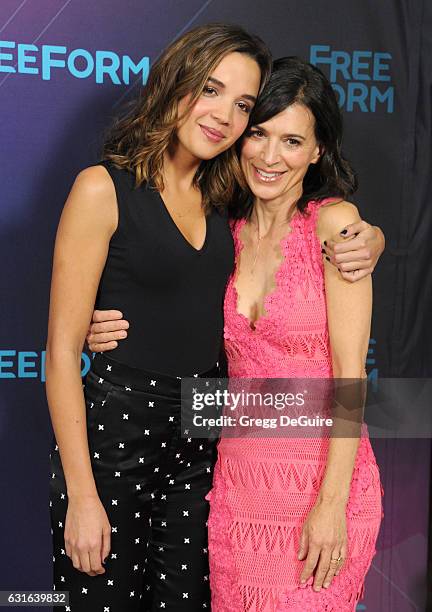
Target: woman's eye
(256, 133)
(244, 107)
(293, 142)
(209, 90)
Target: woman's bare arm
(349, 311)
(349, 307)
(88, 220)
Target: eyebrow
(262, 129)
(222, 86)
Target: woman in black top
(171, 289)
(146, 229)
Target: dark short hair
(294, 80)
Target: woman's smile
(266, 176)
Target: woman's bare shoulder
(93, 196)
(95, 180)
(334, 216)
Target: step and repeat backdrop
(66, 69)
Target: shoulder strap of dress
(316, 204)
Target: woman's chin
(207, 153)
(264, 192)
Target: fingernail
(343, 232)
(326, 585)
(302, 580)
(317, 588)
(328, 258)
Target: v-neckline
(253, 325)
(178, 230)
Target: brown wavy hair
(138, 140)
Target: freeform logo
(24, 58)
(361, 79)
(30, 364)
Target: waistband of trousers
(142, 380)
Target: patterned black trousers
(152, 483)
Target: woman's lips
(266, 177)
(212, 134)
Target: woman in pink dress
(293, 521)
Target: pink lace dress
(263, 490)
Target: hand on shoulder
(349, 243)
(334, 217)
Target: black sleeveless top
(171, 293)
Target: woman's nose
(223, 113)
(270, 155)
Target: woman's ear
(319, 150)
